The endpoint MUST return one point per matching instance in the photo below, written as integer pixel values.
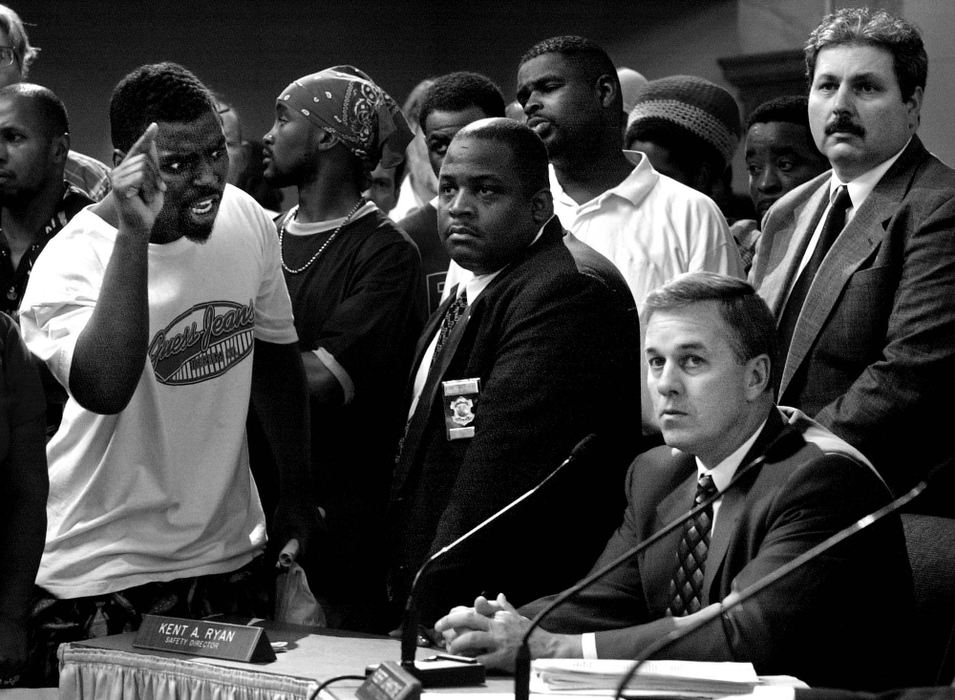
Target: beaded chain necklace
(291, 215)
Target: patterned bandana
(345, 102)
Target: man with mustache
(533, 353)
(858, 264)
(161, 310)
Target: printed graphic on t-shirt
(203, 342)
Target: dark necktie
(686, 587)
(835, 221)
(451, 316)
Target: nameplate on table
(217, 640)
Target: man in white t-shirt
(162, 309)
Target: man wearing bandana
(359, 304)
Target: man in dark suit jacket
(549, 340)
(872, 351)
(839, 620)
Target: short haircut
(456, 92)
(158, 92)
(528, 153)
(792, 109)
(25, 54)
(586, 54)
(861, 25)
(49, 107)
(412, 106)
(752, 326)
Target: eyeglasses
(7, 56)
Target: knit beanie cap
(699, 106)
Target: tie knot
(841, 198)
(704, 488)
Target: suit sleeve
(613, 601)
(904, 391)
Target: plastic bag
(294, 601)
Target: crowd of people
(193, 378)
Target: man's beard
(197, 234)
(15, 198)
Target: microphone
(734, 599)
(787, 443)
(445, 672)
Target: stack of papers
(685, 679)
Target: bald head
(528, 153)
(34, 144)
(492, 194)
(48, 110)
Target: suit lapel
(850, 250)
(734, 504)
(414, 430)
(785, 251)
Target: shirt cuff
(332, 365)
(588, 645)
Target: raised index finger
(146, 143)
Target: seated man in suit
(535, 352)
(858, 264)
(837, 621)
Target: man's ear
(914, 104)
(118, 156)
(542, 206)
(758, 375)
(704, 179)
(325, 140)
(606, 89)
(61, 147)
